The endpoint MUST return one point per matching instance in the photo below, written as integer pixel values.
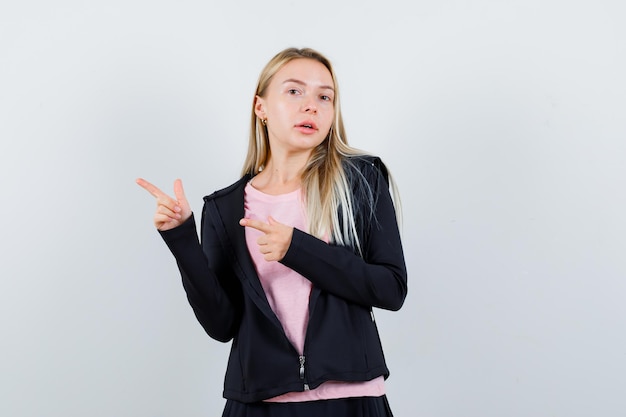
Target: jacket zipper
(302, 360)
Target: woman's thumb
(179, 192)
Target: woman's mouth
(307, 126)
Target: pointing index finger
(152, 189)
(255, 224)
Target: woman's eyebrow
(299, 82)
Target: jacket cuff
(294, 247)
(180, 232)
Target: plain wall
(502, 122)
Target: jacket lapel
(226, 209)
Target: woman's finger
(168, 202)
(167, 211)
(170, 213)
(149, 187)
(160, 219)
(256, 224)
(179, 192)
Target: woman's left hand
(276, 238)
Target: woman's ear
(259, 108)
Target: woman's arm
(216, 306)
(212, 302)
(377, 279)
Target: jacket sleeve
(212, 291)
(379, 278)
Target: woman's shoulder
(235, 189)
(366, 165)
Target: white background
(502, 121)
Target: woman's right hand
(170, 213)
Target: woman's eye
(326, 98)
(292, 91)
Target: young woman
(294, 255)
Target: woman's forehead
(306, 71)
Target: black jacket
(342, 341)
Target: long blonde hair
(330, 205)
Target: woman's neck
(280, 176)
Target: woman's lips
(307, 127)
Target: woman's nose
(310, 107)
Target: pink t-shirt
(288, 292)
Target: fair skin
(299, 109)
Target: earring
(264, 121)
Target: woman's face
(299, 106)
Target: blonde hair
(327, 190)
